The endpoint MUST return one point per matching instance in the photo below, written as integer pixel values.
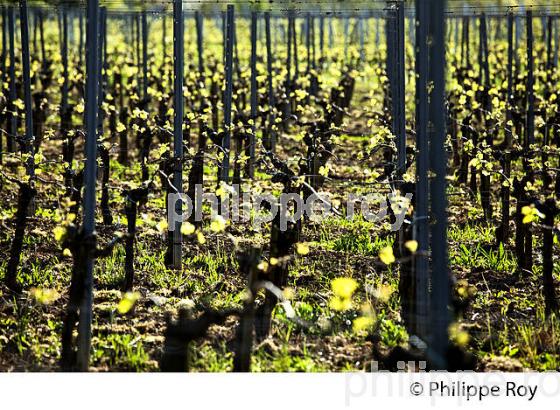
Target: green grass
(476, 256)
(121, 350)
(356, 236)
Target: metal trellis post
(178, 51)
(224, 171)
(421, 233)
(253, 93)
(90, 176)
(28, 142)
(440, 292)
(271, 117)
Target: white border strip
(276, 391)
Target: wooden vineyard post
(254, 90)
(226, 141)
(90, 175)
(440, 284)
(270, 141)
(422, 236)
(178, 51)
